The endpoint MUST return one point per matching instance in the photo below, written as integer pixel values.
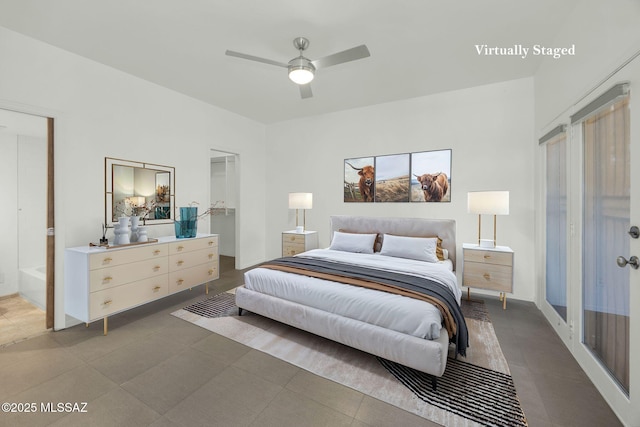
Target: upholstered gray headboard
(415, 227)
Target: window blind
(621, 89)
(553, 132)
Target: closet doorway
(224, 196)
(27, 253)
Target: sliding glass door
(556, 224)
(606, 223)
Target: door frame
(51, 237)
(50, 286)
(236, 189)
(564, 329)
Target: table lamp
(488, 203)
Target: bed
(372, 289)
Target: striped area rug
(474, 391)
(223, 304)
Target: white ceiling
(418, 47)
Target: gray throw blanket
(424, 286)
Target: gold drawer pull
(487, 256)
(180, 262)
(211, 242)
(156, 268)
(292, 238)
(107, 279)
(180, 248)
(107, 302)
(486, 276)
(157, 252)
(211, 256)
(180, 282)
(156, 289)
(211, 271)
(107, 260)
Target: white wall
(32, 201)
(101, 112)
(605, 34)
(489, 129)
(23, 215)
(9, 214)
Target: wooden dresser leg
(106, 325)
(206, 288)
(504, 301)
(86, 325)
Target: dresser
(99, 282)
(294, 243)
(488, 268)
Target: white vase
(142, 234)
(121, 230)
(135, 220)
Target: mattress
(395, 312)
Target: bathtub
(32, 286)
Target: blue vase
(187, 226)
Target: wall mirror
(142, 189)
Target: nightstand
(294, 243)
(488, 268)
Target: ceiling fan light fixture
(300, 76)
(301, 70)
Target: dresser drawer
(193, 258)
(110, 258)
(109, 301)
(189, 277)
(188, 245)
(293, 238)
(115, 276)
(488, 257)
(291, 249)
(488, 276)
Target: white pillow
(353, 242)
(419, 248)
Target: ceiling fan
(301, 69)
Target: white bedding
(394, 312)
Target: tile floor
(19, 320)
(154, 369)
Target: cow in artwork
(434, 186)
(367, 179)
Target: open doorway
(26, 273)
(224, 196)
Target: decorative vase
(135, 221)
(187, 226)
(142, 234)
(121, 230)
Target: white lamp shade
(301, 76)
(137, 200)
(488, 202)
(300, 200)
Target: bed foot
(434, 382)
(239, 311)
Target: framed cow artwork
(392, 178)
(359, 180)
(431, 176)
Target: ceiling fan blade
(352, 54)
(255, 58)
(305, 91)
